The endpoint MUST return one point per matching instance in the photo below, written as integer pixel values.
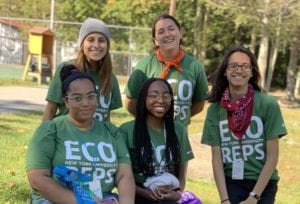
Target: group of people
(147, 159)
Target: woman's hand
(249, 200)
(166, 193)
(153, 195)
(226, 202)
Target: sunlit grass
(17, 129)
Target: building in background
(11, 42)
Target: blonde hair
(104, 69)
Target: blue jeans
(238, 190)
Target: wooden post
(26, 69)
(172, 7)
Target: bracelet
(254, 195)
(222, 201)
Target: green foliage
(209, 26)
(279, 78)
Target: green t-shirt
(94, 152)
(266, 123)
(189, 86)
(159, 143)
(105, 103)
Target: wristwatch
(254, 195)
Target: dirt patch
(200, 167)
(281, 96)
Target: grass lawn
(16, 130)
(9, 71)
(11, 75)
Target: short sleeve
(201, 87)
(41, 148)
(211, 132)
(123, 154)
(116, 100)
(54, 91)
(134, 84)
(186, 152)
(122, 150)
(273, 120)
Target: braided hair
(142, 142)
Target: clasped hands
(164, 193)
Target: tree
(291, 70)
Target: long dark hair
(219, 80)
(161, 17)
(142, 143)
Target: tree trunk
(172, 8)
(200, 41)
(237, 36)
(273, 58)
(253, 42)
(291, 72)
(263, 51)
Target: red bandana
(169, 63)
(239, 112)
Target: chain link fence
(128, 44)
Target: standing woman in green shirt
(93, 58)
(169, 61)
(243, 126)
(159, 147)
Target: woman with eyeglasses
(93, 57)
(79, 149)
(169, 61)
(158, 146)
(243, 126)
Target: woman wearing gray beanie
(93, 57)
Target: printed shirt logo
(103, 106)
(80, 158)
(251, 144)
(183, 92)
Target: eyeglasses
(165, 96)
(79, 99)
(235, 66)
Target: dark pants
(238, 190)
(140, 200)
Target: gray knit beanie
(92, 25)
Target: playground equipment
(40, 46)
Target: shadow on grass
(15, 121)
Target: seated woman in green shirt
(158, 146)
(80, 143)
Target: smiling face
(239, 76)
(167, 35)
(157, 101)
(82, 110)
(95, 47)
